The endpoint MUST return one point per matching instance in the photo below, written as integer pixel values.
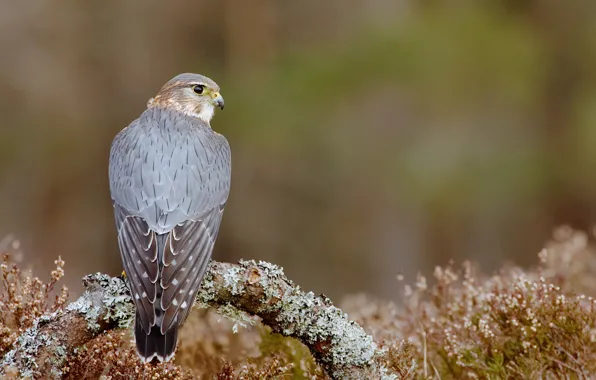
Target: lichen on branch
(261, 289)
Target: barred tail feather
(155, 344)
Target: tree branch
(339, 345)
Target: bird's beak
(218, 100)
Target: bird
(169, 176)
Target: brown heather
(462, 324)
(24, 298)
(515, 324)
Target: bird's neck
(203, 112)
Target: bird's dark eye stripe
(198, 88)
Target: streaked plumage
(169, 179)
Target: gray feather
(169, 181)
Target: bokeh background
(369, 138)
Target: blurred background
(369, 138)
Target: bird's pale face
(192, 94)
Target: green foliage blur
(369, 138)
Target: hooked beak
(218, 100)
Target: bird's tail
(155, 344)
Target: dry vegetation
(24, 298)
(520, 324)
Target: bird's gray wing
(186, 256)
(169, 180)
(139, 249)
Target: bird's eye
(198, 89)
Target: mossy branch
(340, 345)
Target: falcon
(169, 178)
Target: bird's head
(192, 94)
